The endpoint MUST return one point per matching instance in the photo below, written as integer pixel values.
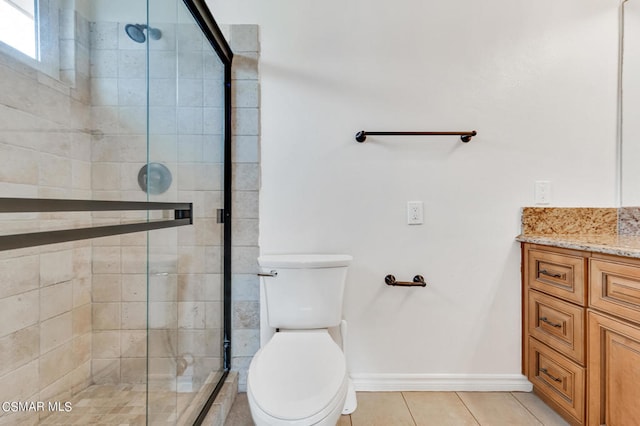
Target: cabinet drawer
(558, 378)
(558, 324)
(615, 288)
(557, 274)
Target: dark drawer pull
(555, 379)
(550, 274)
(545, 320)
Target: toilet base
(351, 403)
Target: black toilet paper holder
(418, 281)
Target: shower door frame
(213, 33)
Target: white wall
(536, 79)
(630, 173)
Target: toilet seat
(298, 377)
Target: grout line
(408, 408)
(526, 408)
(468, 409)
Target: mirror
(630, 104)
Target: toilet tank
(307, 291)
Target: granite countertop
(600, 230)
(620, 245)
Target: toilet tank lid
(304, 261)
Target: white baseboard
(441, 382)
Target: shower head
(136, 32)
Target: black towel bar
(182, 215)
(465, 137)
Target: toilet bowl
(298, 378)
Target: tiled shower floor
(120, 405)
(105, 404)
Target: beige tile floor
(434, 408)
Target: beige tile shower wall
(245, 336)
(45, 310)
(119, 149)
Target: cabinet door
(613, 371)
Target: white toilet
(299, 377)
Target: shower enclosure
(115, 211)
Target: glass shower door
(111, 183)
(185, 266)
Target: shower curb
(224, 400)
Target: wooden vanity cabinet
(581, 333)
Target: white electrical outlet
(542, 192)
(415, 213)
